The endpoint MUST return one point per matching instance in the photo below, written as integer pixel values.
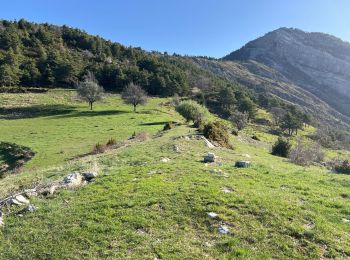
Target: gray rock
(31, 208)
(89, 176)
(73, 180)
(242, 164)
(210, 157)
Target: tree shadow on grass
(154, 123)
(92, 113)
(34, 111)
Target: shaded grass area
(140, 207)
(13, 157)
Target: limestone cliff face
(318, 63)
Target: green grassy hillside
(141, 207)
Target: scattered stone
(215, 171)
(31, 208)
(212, 214)
(164, 160)
(207, 142)
(246, 155)
(345, 220)
(242, 164)
(226, 190)
(22, 200)
(223, 229)
(73, 180)
(89, 176)
(48, 190)
(31, 193)
(1, 219)
(176, 149)
(210, 157)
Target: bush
(98, 148)
(217, 132)
(344, 167)
(192, 111)
(111, 142)
(168, 126)
(234, 132)
(304, 155)
(281, 147)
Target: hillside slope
(263, 79)
(315, 62)
(143, 207)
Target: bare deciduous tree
(133, 94)
(89, 90)
(239, 119)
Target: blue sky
(194, 27)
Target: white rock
(226, 190)
(212, 214)
(223, 229)
(31, 193)
(346, 220)
(22, 200)
(1, 219)
(207, 142)
(164, 160)
(73, 180)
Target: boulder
(89, 176)
(73, 180)
(210, 157)
(242, 164)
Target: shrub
(281, 147)
(234, 132)
(168, 126)
(111, 142)
(344, 167)
(217, 132)
(98, 148)
(305, 155)
(192, 111)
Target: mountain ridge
(319, 63)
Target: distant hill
(316, 62)
(311, 70)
